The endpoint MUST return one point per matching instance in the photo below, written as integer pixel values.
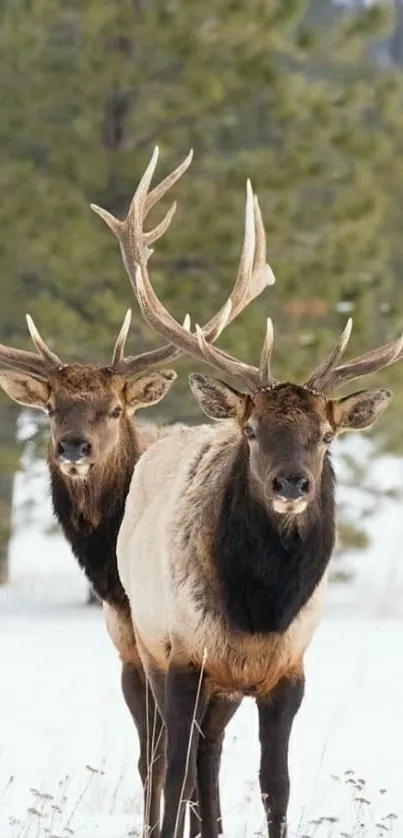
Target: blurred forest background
(305, 97)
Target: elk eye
(50, 410)
(116, 412)
(249, 432)
(327, 437)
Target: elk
(93, 448)
(225, 543)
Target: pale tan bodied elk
(225, 543)
(253, 275)
(93, 448)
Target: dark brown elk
(94, 445)
(225, 544)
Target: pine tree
(288, 94)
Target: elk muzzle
(73, 455)
(290, 491)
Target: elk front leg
(207, 820)
(151, 731)
(276, 715)
(182, 701)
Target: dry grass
(59, 815)
(357, 819)
(55, 816)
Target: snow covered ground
(68, 750)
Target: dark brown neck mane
(267, 571)
(90, 513)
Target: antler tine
(224, 362)
(52, 360)
(317, 380)
(373, 354)
(37, 365)
(139, 363)
(141, 204)
(261, 269)
(157, 193)
(119, 348)
(266, 378)
(135, 364)
(254, 274)
(143, 201)
(370, 362)
(119, 227)
(253, 377)
(134, 243)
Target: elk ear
(358, 411)
(149, 389)
(216, 399)
(25, 389)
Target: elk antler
(48, 356)
(253, 274)
(37, 365)
(328, 376)
(46, 361)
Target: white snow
(68, 748)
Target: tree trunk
(9, 458)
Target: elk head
(287, 431)
(88, 406)
(286, 428)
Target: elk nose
(73, 449)
(291, 486)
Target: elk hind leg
(151, 731)
(182, 702)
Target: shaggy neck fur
(90, 512)
(268, 567)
